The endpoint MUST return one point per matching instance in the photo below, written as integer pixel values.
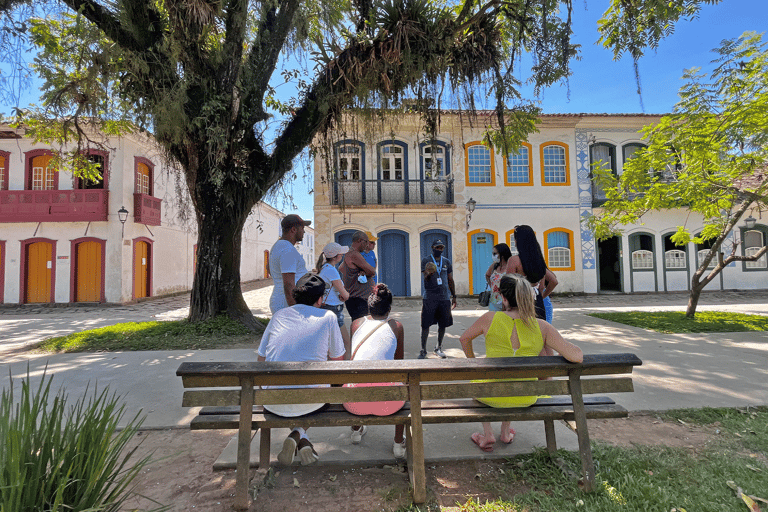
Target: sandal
(307, 452)
(511, 437)
(477, 438)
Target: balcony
(146, 209)
(394, 192)
(53, 205)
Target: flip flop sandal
(286, 455)
(307, 452)
(511, 431)
(476, 439)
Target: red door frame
(23, 277)
(73, 266)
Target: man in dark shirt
(439, 297)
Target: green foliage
(678, 322)
(55, 456)
(747, 426)
(219, 331)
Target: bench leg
(415, 443)
(244, 444)
(580, 417)
(549, 432)
(265, 440)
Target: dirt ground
(183, 476)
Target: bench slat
(525, 388)
(296, 396)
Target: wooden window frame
(572, 265)
(466, 164)
(5, 178)
(507, 182)
(563, 145)
(28, 157)
(141, 160)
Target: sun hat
(334, 249)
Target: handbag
(485, 297)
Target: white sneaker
(357, 435)
(439, 352)
(399, 449)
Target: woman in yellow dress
(513, 332)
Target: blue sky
(601, 85)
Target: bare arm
(452, 287)
(397, 328)
(488, 274)
(554, 340)
(357, 259)
(551, 281)
(261, 359)
(339, 287)
(340, 358)
(289, 283)
(476, 329)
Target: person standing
(439, 297)
(357, 275)
(336, 295)
(369, 254)
(501, 254)
(286, 266)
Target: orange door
(39, 269)
(141, 269)
(266, 264)
(88, 280)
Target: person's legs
(485, 440)
(507, 433)
(297, 442)
(439, 346)
(398, 447)
(424, 336)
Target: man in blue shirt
(439, 297)
(369, 255)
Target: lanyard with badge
(439, 269)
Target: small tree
(710, 157)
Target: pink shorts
(374, 408)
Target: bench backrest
(414, 379)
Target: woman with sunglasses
(501, 254)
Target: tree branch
(232, 50)
(108, 23)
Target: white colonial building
(409, 191)
(130, 235)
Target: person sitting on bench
(513, 332)
(302, 332)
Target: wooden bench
(436, 391)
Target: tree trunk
(216, 288)
(693, 300)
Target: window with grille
(603, 156)
(554, 164)
(513, 245)
(641, 249)
(629, 150)
(674, 259)
(559, 249)
(753, 242)
(348, 162)
(433, 160)
(519, 166)
(3, 174)
(642, 260)
(479, 164)
(703, 254)
(391, 159)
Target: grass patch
(219, 332)
(647, 479)
(677, 322)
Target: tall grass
(55, 457)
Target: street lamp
(470, 208)
(750, 222)
(122, 214)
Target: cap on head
(293, 220)
(311, 284)
(371, 238)
(333, 249)
(438, 243)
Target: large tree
(709, 157)
(201, 74)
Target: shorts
(339, 310)
(436, 312)
(356, 307)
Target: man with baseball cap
(369, 253)
(439, 297)
(286, 265)
(356, 273)
(301, 332)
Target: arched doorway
(38, 271)
(142, 268)
(481, 242)
(393, 262)
(345, 237)
(88, 267)
(426, 239)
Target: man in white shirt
(302, 332)
(286, 265)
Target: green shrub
(55, 457)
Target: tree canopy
(709, 157)
(204, 77)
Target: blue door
(393, 261)
(345, 237)
(427, 237)
(482, 250)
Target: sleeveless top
(352, 285)
(495, 302)
(380, 346)
(498, 344)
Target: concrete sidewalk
(683, 370)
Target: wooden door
(88, 272)
(393, 262)
(141, 266)
(39, 272)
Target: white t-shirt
(330, 274)
(283, 259)
(300, 333)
